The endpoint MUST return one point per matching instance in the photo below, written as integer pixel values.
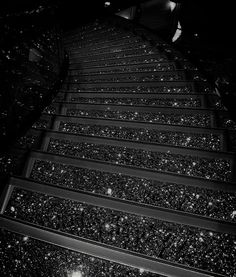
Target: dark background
(207, 25)
(213, 20)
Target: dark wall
(212, 20)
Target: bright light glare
(178, 33)
(107, 4)
(125, 16)
(171, 5)
(128, 13)
(141, 270)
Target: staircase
(131, 170)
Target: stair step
(46, 122)
(187, 87)
(139, 51)
(156, 136)
(106, 201)
(138, 112)
(139, 61)
(151, 157)
(137, 56)
(188, 116)
(126, 49)
(108, 45)
(121, 60)
(173, 100)
(168, 66)
(94, 26)
(215, 204)
(163, 115)
(98, 222)
(179, 75)
(97, 37)
(50, 250)
(183, 102)
(99, 41)
(134, 44)
(142, 173)
(96, 258)
(197, 138)
(91, 33)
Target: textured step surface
(130, 172)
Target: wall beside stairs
(33, 66)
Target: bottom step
(27, 256)
(180, 245)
